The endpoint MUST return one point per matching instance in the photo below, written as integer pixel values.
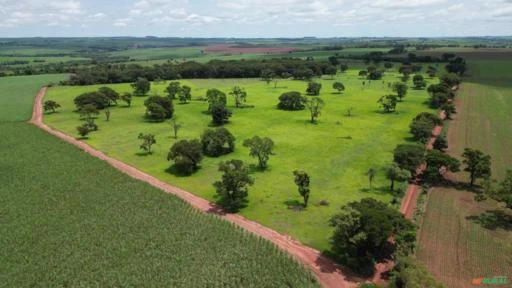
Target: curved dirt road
(328, 273)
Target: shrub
(291, 101)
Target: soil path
(413, 191)
(328, 273)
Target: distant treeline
(124, 73)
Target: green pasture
(336, 152)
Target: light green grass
(18, 93)
(335, 163)
(70, 220)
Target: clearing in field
(336, 152)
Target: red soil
(245, 50)
(328, 273)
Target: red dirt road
(413, 191)
(328, 273)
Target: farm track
(328, 273)
(413, 190)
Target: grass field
(456, 248)
(336, 152)
(18, 95)
(70, 220)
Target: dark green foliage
(239, 95)
(111, 95)
(96, 99)
(173, 89)
(362, 230)
(450, 80)
(147, 141)
(332, 71)
(261, 148)
(141, 87)
(504, 192)
(186, 155)
(422, 125)
(127, 98)
(302, 181)
(116, 231)
(184, 94)
(88, 114)
(343, 68)
(375, 75)
(449, 110)
(83, 130)
(409, 156)
(477, 164)
(292, 101)
(409, 273)
(50, 105)
(215, 97)
(419, 82)
(441, 144)
(388, 103)
(456, 66)
(438, 163)
(394, 173)
(338, 86)
(220, 113)
(217, 142)
(363, 73)
(233, 188)
(267, 75)
(313, 88)
(159, 108)
(400, 89)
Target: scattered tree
(362, 230)
(441, 144)
(343, 68)
(239, 95)
(141, 87)
(477, 164)
(217, 142)
(184, 94)
(419, 82)
(159, 108)
(291, 101)
(186, 155)
(88, 113)
(173, 89)
(233, 188)
(267, 75)
(175, 127)
(147, 141)
(220, 113)
(50, 105)
(371, 173)
(438, 163)
(449, 110)
(409, 156)
(331, 71)
(261, 148)
(107, 113)
(388, 103)
(302, 181)
(338, 86)
(504, 192)
(400, 89)
(127, 98)
(83, 130)
(110, 94)
(313, 88)
(395, 173)
(97, 99)
(315, 106)
(215, 97)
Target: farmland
(68, 219)
(455, 246)
(335, 152)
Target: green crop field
(454, 246)
(336, 152)
(18, 95)
(160, 53)
(68, 219)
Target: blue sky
(255, 18)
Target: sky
(255, 18)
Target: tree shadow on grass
(82, 138)
(378, 190)
(493, 219)
(176, 171)
(143, 154)
(294, 205)
(255, 168)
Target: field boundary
(327, 272)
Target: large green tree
(409, 156)
(260, 148)
(394, 173)
(315, 106)
(141, 86)
(239, 95)
(217, 142)
(292, 101)
(400, 89)
(302, 181)
(233, 188)
(186, 155)
(477, 164)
